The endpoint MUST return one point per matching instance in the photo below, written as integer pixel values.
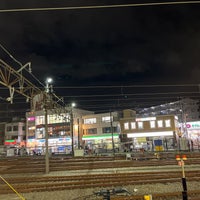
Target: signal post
(181, 163)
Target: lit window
(152, 124)
(40, 120)
(126, 126)
(133, 125)
(167, 123)
(90, 121)
(160, 123)
(106, 119)
(140, 125)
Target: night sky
(81, 49)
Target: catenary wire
(98, 6)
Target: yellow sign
(148, 197)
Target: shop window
(168, 123)
(133, 125)
(126, 126)
(152, 124)
(40, 120)
(40, 133)
(160, 123)
(14, 138)
(90, 121)
(52, 119)
(140, 125)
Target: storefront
(153, 141)
(193, 132)
(56, 145)
(103, 142)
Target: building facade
(63, 125)
(15, 134)
(185, 109)
(101, 131)
(150, 133)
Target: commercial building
(101, 131)
(63, 126)
(150, 133)
(193, 133)
(185, 109)
(15, 134)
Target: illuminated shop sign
(145, 119)
(51, 142)
(99, 137)
(193, 125)
(150, 134)
(31, 119)
(10, 142)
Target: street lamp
(47, 91)
(72, 126)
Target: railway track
(19, 165)
(56, 183)
(32, 170)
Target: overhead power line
(133, 94)
(99, 6)
(125, 86)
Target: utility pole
(72, 125)
(111, 126)
(47, 105)
(78, 133)
(46, 138)
(72, 130)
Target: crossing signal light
(178, 157)
(184, 157)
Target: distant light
(31, 118)
(73, 105)
(49, 80)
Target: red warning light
(178, 157)
(184, 157)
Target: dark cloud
(112, 46)
(120, 45)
